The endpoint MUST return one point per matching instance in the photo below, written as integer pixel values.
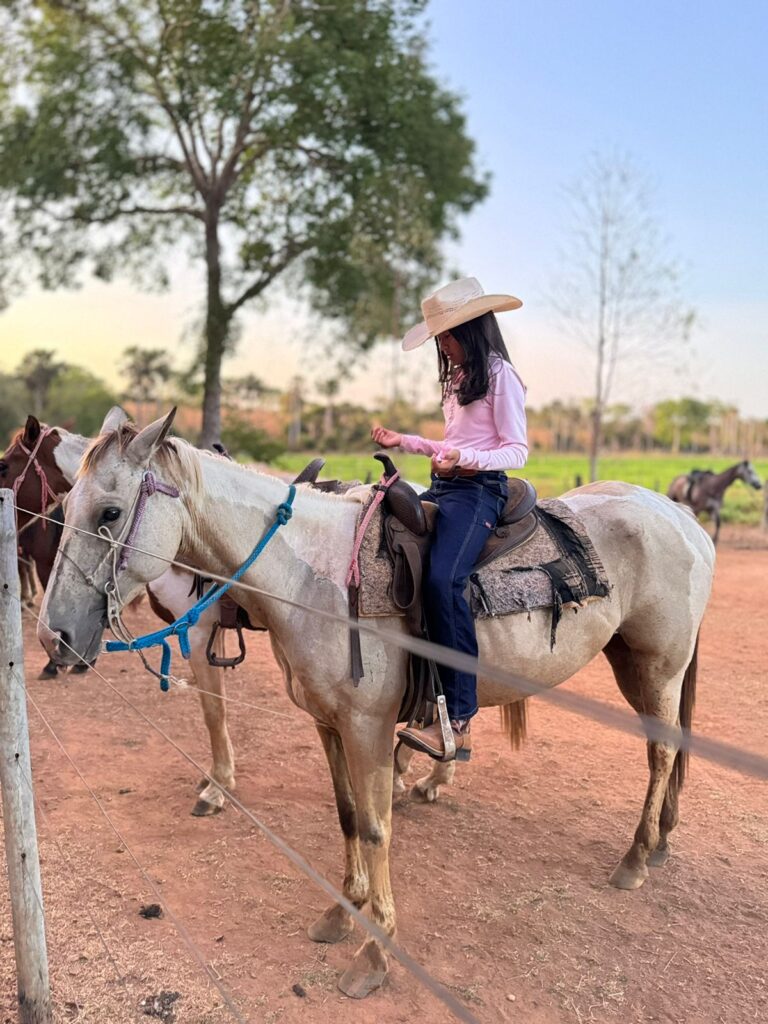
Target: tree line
(259, 422)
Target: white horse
(658, 558)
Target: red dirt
(501, 886)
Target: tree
(618, 290)
(37, 371)
(79, 400)
(680, 422)
(329, 389)
(13, 408)
(268, 135)
(146, 369)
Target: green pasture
(552, 474)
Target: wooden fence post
(16, 780)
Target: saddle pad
(557, 567)
(375, 596)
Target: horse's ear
(31, 431)
(114, 419)
(141, 448)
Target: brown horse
(35, 474)
(703, 491)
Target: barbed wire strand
(178, 925)
(415, 968)
(727, 755)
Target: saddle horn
(389, 467)
(309, 474)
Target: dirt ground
(501, 885)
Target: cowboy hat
(454, 304)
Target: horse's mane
(176, 458)
(179, 462)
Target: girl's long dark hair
(481, 339)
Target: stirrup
(449, 743)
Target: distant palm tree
(146, 369)
(38, 371)
(330, 389)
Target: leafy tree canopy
(268, 134)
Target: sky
(681, 86)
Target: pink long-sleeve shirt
(490, 433)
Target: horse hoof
(333, 925)
(398, 786)
(425, 792)
(49, 672)
(80, 670)
(625, 877)
(366, 973)
(658, 857)
(203, 809)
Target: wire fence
(716, 751)
(413, 966)
(719, 752)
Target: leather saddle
(408, 525)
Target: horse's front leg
(210, 685)
(336, 923)
(368, 750)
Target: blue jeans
(468, 510)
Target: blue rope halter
(180, 628)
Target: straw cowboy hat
(454, 304)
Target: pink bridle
(46, 494)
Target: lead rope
(180, 628)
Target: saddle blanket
(557, 567)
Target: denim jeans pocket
(489, 509)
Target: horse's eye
(110, 515)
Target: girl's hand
(386, 438)
(446, 461)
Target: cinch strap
(180, 628)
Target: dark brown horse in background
(38, 539)
(703, 491)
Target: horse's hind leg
(335, 923)
(653, 688)
(428, 787)
(402, 762)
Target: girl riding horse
(485, 434)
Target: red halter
(45, 491)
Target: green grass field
(553, 474)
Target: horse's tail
(687, 701)
(514, 722)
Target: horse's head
(30, 467)
(121, 494)
(748, 475)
